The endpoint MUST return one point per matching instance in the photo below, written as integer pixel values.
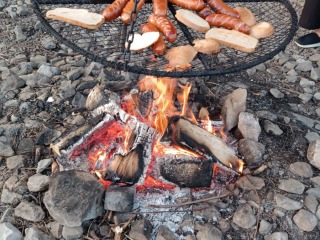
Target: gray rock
(72, 233)
(47, 136)
(305, 97)
(318, 213)
(43, 164)
(291, 186)
(224, 225)
(266, 115)
(287, 203)
(92, 66)
(29, 211)
(9, 232)
(209, 231)
(249, 126)
(26, 145)
(252, 152)
(315, 74)
(10, 197)
(311, 203)
(290, 65)
(317, 96)
(272, 128)
(277, 236)
(210, 213)
(6, 150)
(22, 10)
(249, 182)
(244, 216)
(275, 92)
(312, 136)
(318, 111)
(265, 227)
(304, 120)
(141, 230)
(314, 192)
(49, 71)
(234, 104)
(35, 234)
(25, 68)
(56, 229)
(64, 191)
(87, 85)
(305, 66)
(315, 57)
(164, 233)
(119, 199)
(39, 59)
(292, 73)
(48, 43)
(38, 182)
(313, 153)
(305, 220)
(20, 36)
(12, 82)
(79, 100)
(301, 169)
(304, 82)
(316, 180)
(15, 162)
(74, 74)
(292, 79)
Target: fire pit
(106, 45)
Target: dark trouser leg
(310, 16)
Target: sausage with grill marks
(160, 7)
(125, 15)
(159, 47)
(222, 20)
(220, 7)
(114, 10)
(165, 26)
(205, 12)
(195, 5)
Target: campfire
(151, 138)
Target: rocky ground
(43, 92)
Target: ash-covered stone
(208, 213)
(35, 234)
(287, 203)
(252, 152)
(9, 232)
(249, 126)
(119, 199)
(305, 220)
(71, 233)
(141, 229)
(208, 231)
(244, 216)
(292, 186)
(73, 197)
(164, 233)
(29, 211)
(313, 154)
(249, 182)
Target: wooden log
(189, 135)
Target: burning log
(189, 135)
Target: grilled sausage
(195, 5)
(222, 20)
(114, 10)
(160, 7)
(206, 11)
(165, 26)
(125, 15)
(159, 47)
(220, 7)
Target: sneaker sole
(309, 46)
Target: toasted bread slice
(262, 30)
(143, 41)
(246, 16)
(233, 39)
(192, 20)
(78, 17)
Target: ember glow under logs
(150, 138)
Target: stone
(314, 192)
(305, 66)
(72, 233)
(275, 92)
(7, 216)
(48, 43)
(74, 74)
(48, 71)
(266, 115)
(141, 229)
(9, 232)
(62, 199)
(304, 120)
(291, 186)
(252, 152)
(55, 229)
(249, 126)
(164, 233)
(317, 96)
(209, 231)
(315, 74)
(47, 136)
(38, 183)
(224, 225)
(79, 100)
(277, 236)
(234, 104)
(287, 203)
(311, 203)
(272, 128)
(315, 57)
(210, 213)
(304, 82)
(312, 136)
(313, 153)
(305, 97)
(244, 216)
(9, 196)
(20, 36)
(305, 220)
(26, 145)
(39, 59)
(15, 162)
(5, 150)
(264, 227)
(29, 211)
(301, 169)
(318, 111)
(119, 199)
(43, 164)
(35, 234)
(249, 182)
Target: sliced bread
(180, 56)
(262, 30)
(78, 17)
(233, 39)
(207, 46)
(192, 20)
(143, 41)
(246, 16)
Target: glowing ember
(151, 182)
(161, 149)
(241, 165)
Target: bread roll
(181, 56)
(233, 39)
(192, 20)
(262, 30)
(246, 16)
(78, 17)
(207, 46)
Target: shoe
(310, 40)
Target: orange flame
(161, 149)
(241, 165)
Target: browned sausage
(220, 7)
(125, 15)
(114, 10)
(160, 7)
(206, 11)
(223, 20)
(195, 5)
(159, 47)
(165, 26)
